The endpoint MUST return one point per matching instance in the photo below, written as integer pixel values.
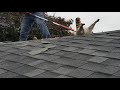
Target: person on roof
(27, 22)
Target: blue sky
(109, 21)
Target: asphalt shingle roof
(94, 56)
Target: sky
(109, 21)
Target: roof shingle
(94, 56)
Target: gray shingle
(59, 47)
(87, 51)
(69, 49)
(107, 39)
(114, 76)
(36, 62)
(98, 43)
(103, 39)
(113, 62)
(63, 43)
(37, 43)
(34, 72)
(47, 74)
(112, 44)
(20, 43)
(64, 70)
(117, 73)
(64, 39)
(8, 45)
(114, 55)
(2, 71)
(28, 60)
(9, 65)
(24, 69)
(51, 51)
(116, 50)
(3, 53)
(82, 38)
(80, 73)
(67, 37)
(16, 59)
(48, 65)
(63, 76)
(8, 75)
(1, 60)
(87, 42)
(115, 41)
(76, 41)
(100, 68)
(60, 53)
(101, 48)
(99, 75)
(97, 59)
(113, 37)
(77, 45)
(90, 47)
(21, 76)
(29, 47)
(41, 50)
(13, 57)
(70, 62)
(66, 54)
(100, 53)
(78, 50)
(40, 56)
(46, 57)
(20, 51)
(82, 57)
(4, 48)
(99, 36)
(12, 50)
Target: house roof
(94, 56)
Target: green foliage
(8, 34)
(10, 23)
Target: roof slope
(95, 56)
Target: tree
(10, 30)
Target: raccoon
(81, 31)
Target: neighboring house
(94, 56)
